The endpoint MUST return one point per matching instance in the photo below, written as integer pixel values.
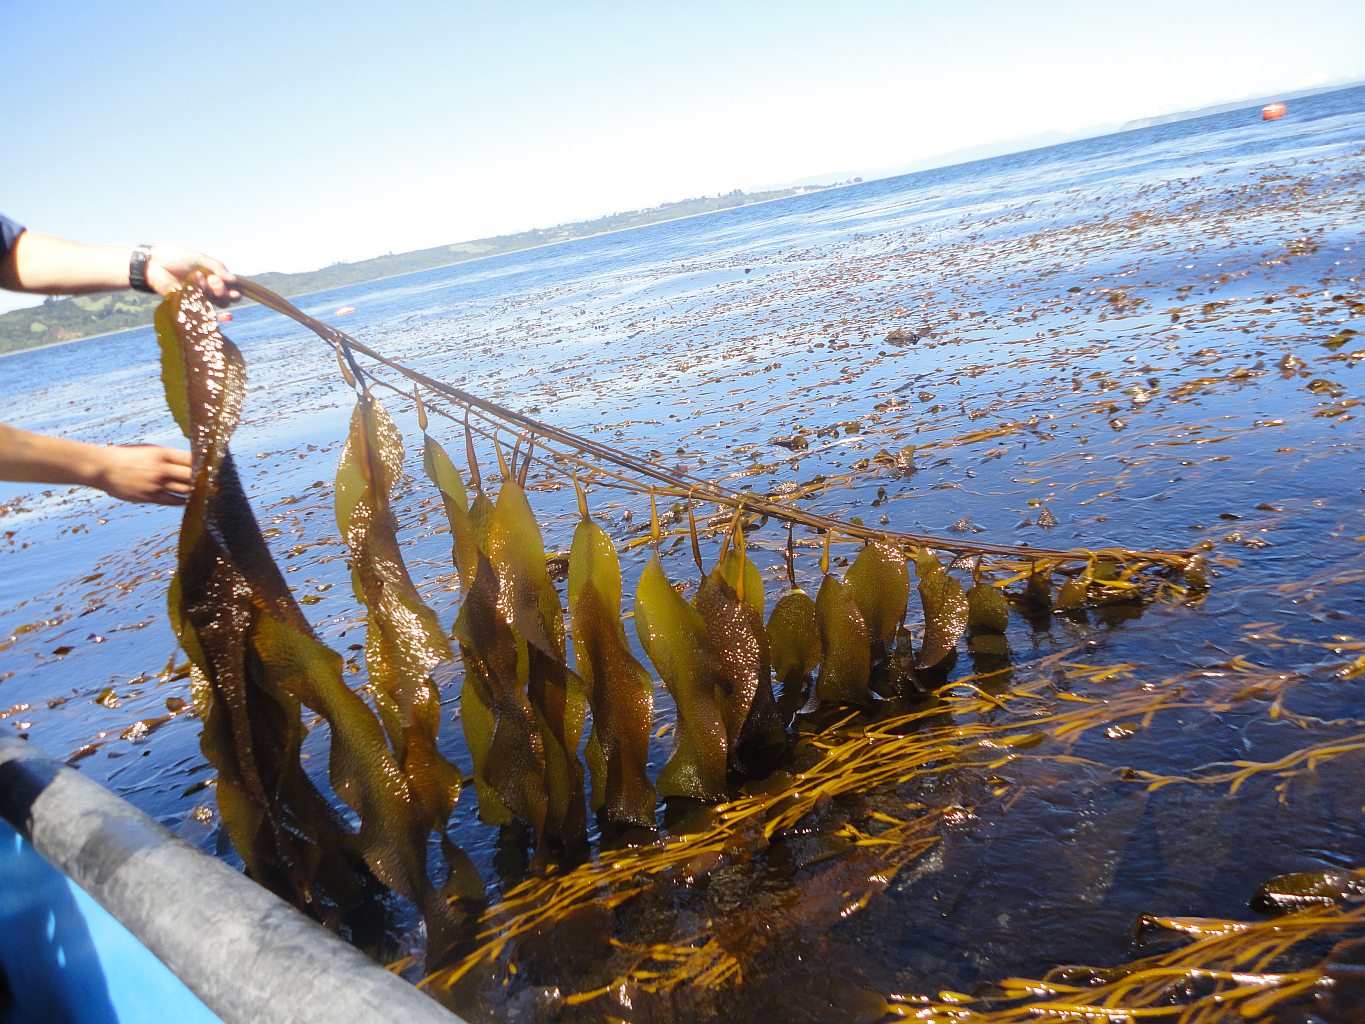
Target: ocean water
(1146, 320)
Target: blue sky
(286, 136)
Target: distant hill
(81, 316)
(1223, 108)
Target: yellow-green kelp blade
(846, 651)
(621, 690)
(464, 543)
(530, 603)
(945, 610)
(468, 537)
(987, 609)
(878, 582)
(674, 636)
(404, 641)
(794, 640)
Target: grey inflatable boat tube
(246, 954)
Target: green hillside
(66, 319)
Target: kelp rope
(683, 484)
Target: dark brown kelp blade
(252, 653)
(621, 690)
(674, 636)
(500, 724)
(225, 584)
(1304, 890)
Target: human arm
(53, 266)
(141, 472)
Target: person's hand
(144, 472)
(170, 266)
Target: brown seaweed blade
(404, 640)
(622, 692)
(287, 835)
(504, 736)
(878, 582)
(255, 656)
(845, 650)
(730, 601)
(945, 610)
(794, 640)
(530, 604)
(674, 636)
(468, 534)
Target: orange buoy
(344, 310)
(1272, 112)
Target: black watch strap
(137, 268)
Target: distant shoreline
(17, 323)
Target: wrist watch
(137, 268)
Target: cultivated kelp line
(524, 707)
(594, 457)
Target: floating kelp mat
(1135, 805)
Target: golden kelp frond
(1287, 768)
(962, 726)
(1233, 970)
(674, 635)
(253, 655)
(621, 690)
(404, 641)
(529, 603)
